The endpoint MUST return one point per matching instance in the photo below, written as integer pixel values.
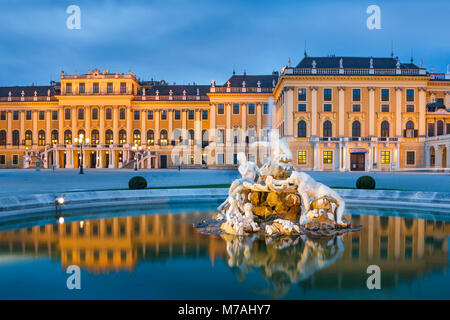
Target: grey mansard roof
(252, 80)
(177, 90)
(354, 62)
(28, 91)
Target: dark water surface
(155, 253)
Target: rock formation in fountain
(276, 199)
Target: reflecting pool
(156, 253)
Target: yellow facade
(401, 111)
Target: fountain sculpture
(275, 199)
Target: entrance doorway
(163, 161)
(93, 159)
(357, 161)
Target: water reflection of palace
(112, 243)
(397, 245)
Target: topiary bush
(137, 182)
(365, 182)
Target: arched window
(205, 135)
(28, 138)
(15, 138)
(191, 137)
(177, 136)
(3, 138)
(385, 129)
(95, 137)
(81, 133)
(67, 137)
(136, 137)
(109, 137)
(150, 138)
(122, 137)
(440, 128)
(163, 137)
(54, 137)
(410, 125)
(41, 138)
(327, 129)
(301, 129)
(356, 129)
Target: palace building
(336, 113)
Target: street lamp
(137, 151)
(81, 141)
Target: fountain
(278, 200)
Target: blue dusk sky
(200, 40)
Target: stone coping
(22, 204)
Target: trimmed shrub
(137, 182)
(365, 182)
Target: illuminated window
(122, 137)
(95, 137)
(150, 138)
(301, 157)
(28, 138)
(41, 138)
(109, 137)
(67, 137)
(163, 137)
(136, 137)
(385, 157)
(327, 157)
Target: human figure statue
(308, 187)
(249, 173)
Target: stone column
(198, 137)
(341, 111)
(56, 157)
(112, 158)
(61, 125)
(258, 121)
(74, 122)
(48, 132)
(183, 125)
(22, 126)
(371, 111)
(369, 167)
(34, 119)
(102, 124)
(316, 157)
(170, 118)
(289, 111)
(212, 123)
(9, 128)
(99, 159)
(229, 146)
(157, 120)
(144, 128)
(243, 132)
(397, 155)
(69, 157)
(448, 155)
(337, 157)
(116, 124)
(398, 112)
(422, 110)
(427, 156)
(87, 121)
(129, 131)
(438, 156)
(313, 111)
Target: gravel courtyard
(29, 181)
